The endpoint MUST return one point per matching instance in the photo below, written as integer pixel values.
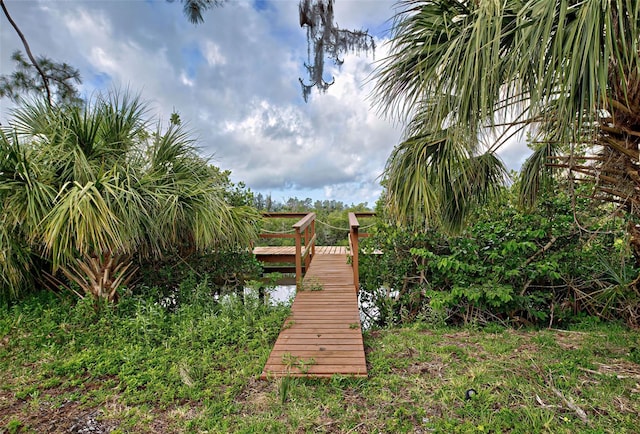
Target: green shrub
(508, 266)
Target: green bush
(508, 266)
(214, 273)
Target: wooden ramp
(322, 337)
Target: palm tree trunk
(101, 275)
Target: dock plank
(322, 336)
(291, 250)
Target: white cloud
(102, 61)
(186, 80)
(213, 54)
(91, 26)
(234, 81)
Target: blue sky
(234, 81)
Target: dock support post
(354, 225)
(298, 259)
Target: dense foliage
(221, 271)
(86, 190)
(146, 349)
(540, 267)
(469, 75)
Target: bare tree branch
(27, 48)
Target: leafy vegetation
(142, 353)
(92, 196)
(468, 76)
(223, 272)
(87, 189)
(61, 79)
(141, 367)
(513, 267)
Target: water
(285, 293)
(282, 294)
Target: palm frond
(81, 222)
(446, 47)
(479, 179)
(25, 191)
(124, 122)
(411, 194)
(193, 9)
(568, 68)
(92, 182)
(16, 272)
(536, 175)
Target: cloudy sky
(234, 82)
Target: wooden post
(354, 225)
(356, 271)
(313, 237)
(307, 256)
(302, 232)
(298, 258)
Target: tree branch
(45, 80)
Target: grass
(141, 368)
(311, 284)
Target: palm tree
(88, 188)
(568, 70)
(193, 9)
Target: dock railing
(304, 236)
(305, 244)
(354, 243)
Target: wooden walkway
(322, 336)
(290, 251)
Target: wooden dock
(322, 336)
(266, 253)
(282, 259)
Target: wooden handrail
(310, 245)
(305, 221)
(281, 215)
(354, 243)
(305, 230)
(354, 247)
(305, 239)
(364, 214)
(304, 235)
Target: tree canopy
(568, 70)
